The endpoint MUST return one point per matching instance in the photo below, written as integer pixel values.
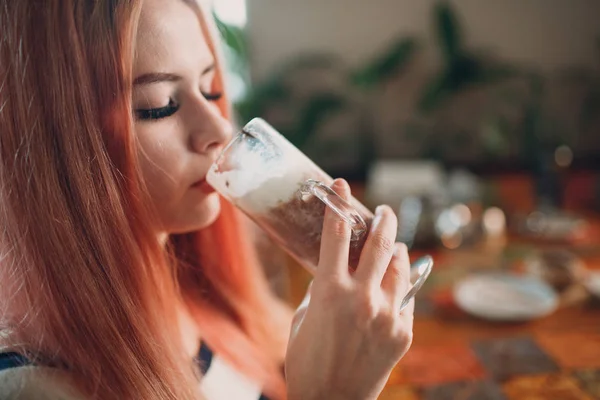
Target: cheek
(162, 165)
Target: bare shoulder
(25, 383)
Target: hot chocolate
(299, 222)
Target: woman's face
(178, 124)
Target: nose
(209, 130)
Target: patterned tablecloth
(458, 357)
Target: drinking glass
(286, 194)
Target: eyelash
(169, 109)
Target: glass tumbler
(286, 194)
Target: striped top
(219, 381)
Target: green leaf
(256, 102)
(498, 73)
(435, 92)
(312, 115)
(233, 37)
(448, 31)
(395, 59)
(464, 70)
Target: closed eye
(157, 113)
(170, 109)
(212, 96)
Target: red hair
(86, 284)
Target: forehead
(170, 38)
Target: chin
(199, 217)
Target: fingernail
(344, 184)
(339, 185)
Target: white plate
(505, 297)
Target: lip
(203, 186)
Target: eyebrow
(156, 77)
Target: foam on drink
(259, 181)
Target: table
(458, 357)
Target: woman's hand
(348, 334)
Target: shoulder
(39, 383)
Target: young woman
(123, 274)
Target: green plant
(461, 67)
(235, 49)
(391, 62)
(589, 79)
(311, 112)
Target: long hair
(86, 286)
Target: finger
(396, 281)
(335, 240)
(379, 247)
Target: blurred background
(478, 121)
(467, 83)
